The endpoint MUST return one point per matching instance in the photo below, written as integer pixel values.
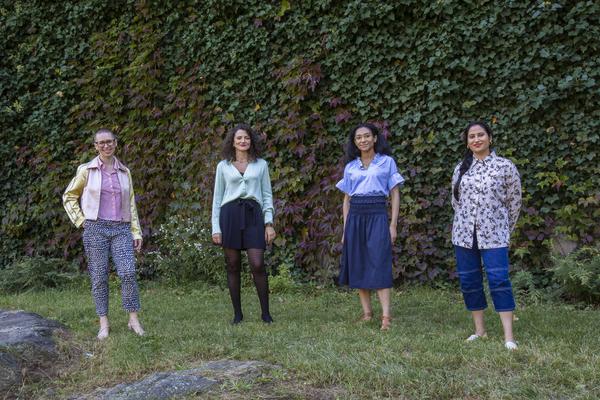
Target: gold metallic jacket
(85, 187)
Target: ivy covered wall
(170, 77)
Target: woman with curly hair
(242, 214)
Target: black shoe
(237, 319)
(267, 319)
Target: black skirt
(242, 225)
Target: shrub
(37, 273)
(186, 252)
(579, 274)
(535, 288)
(283, 281)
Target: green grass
(315, 338)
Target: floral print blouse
(489, 203)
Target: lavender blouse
(377, 179)
(110, 195)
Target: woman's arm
(218, 191)
(136, 229)
(267, 205)
(513, 197)
(72, 194)
(345, 209)
(395, 194)
(267, 195)
(452, 183)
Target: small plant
(579, 274)
(186, 252)
(38, 273)
(526, 288)
(283, 282)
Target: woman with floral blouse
(370, 176)
(486, 197)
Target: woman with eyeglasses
(100, 199)
(242, 214)
(486, 197)
(370, 176)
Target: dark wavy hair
(381, 145)
(228, 152)
(468, 157)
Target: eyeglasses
(106, 143)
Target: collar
(376, 161)
(487, 160)
(97, 163)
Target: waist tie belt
(250, 206)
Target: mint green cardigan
(230, 185)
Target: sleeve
(344, 184)
(513, 196)
(394, 177)
(267, 195)
(218, 192)
(72, 194)
(136, 229)
(452, 183)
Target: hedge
(170, 77)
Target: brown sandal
(386, 323)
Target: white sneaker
(511, 345)
(475, 337)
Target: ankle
(266, 317)
(237, 318)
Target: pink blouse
(110, 195)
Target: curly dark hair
(228, 152)
(381, 145)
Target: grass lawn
(316, 339)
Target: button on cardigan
(230, 185)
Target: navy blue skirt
(242, 225)
(367, 251)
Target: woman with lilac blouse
(100, 199)
(486, 197)
(370, 176)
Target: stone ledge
(175, 384)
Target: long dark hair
(228, 152)
(468, 158)
(381, 145)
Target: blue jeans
(468, 264)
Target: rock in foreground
(175, 384)
(26, 345)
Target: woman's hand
(393, 233)
(216, 238)
(137, 245)
(269, 234)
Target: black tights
(256, 260)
